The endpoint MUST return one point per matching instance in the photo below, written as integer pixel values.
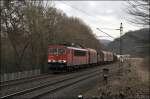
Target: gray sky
(99, 14)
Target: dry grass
(133, 82)
(141, 67)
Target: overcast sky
(99, 14)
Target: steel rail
(41, 86)
(64, 85)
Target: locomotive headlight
(64, 61)
(54, 60)
(49, 60)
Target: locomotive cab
(57, 57)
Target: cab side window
(79, 53)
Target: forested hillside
(135, 43)
(28, 27)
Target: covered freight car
(100, 58)
(107, 56)
(93, 58)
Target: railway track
(15, 87)
(29, 79)
(34, 90)
(26, 80)
(64, 84)
(22, 84)
(56, 81)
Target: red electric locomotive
(62, 57)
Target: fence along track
(55, 81)
(24, 80)
(7, 77)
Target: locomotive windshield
(61, 51)
(56, 51)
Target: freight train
(68, 58)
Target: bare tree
(140, 10)
(12, 24)
(40, 22)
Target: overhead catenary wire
(77, 9)
(90, 15)
(105, 33)
(108, 28)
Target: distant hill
(104, 42)
(135, 43)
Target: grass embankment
(133, 81)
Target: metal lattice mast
(121, 43)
